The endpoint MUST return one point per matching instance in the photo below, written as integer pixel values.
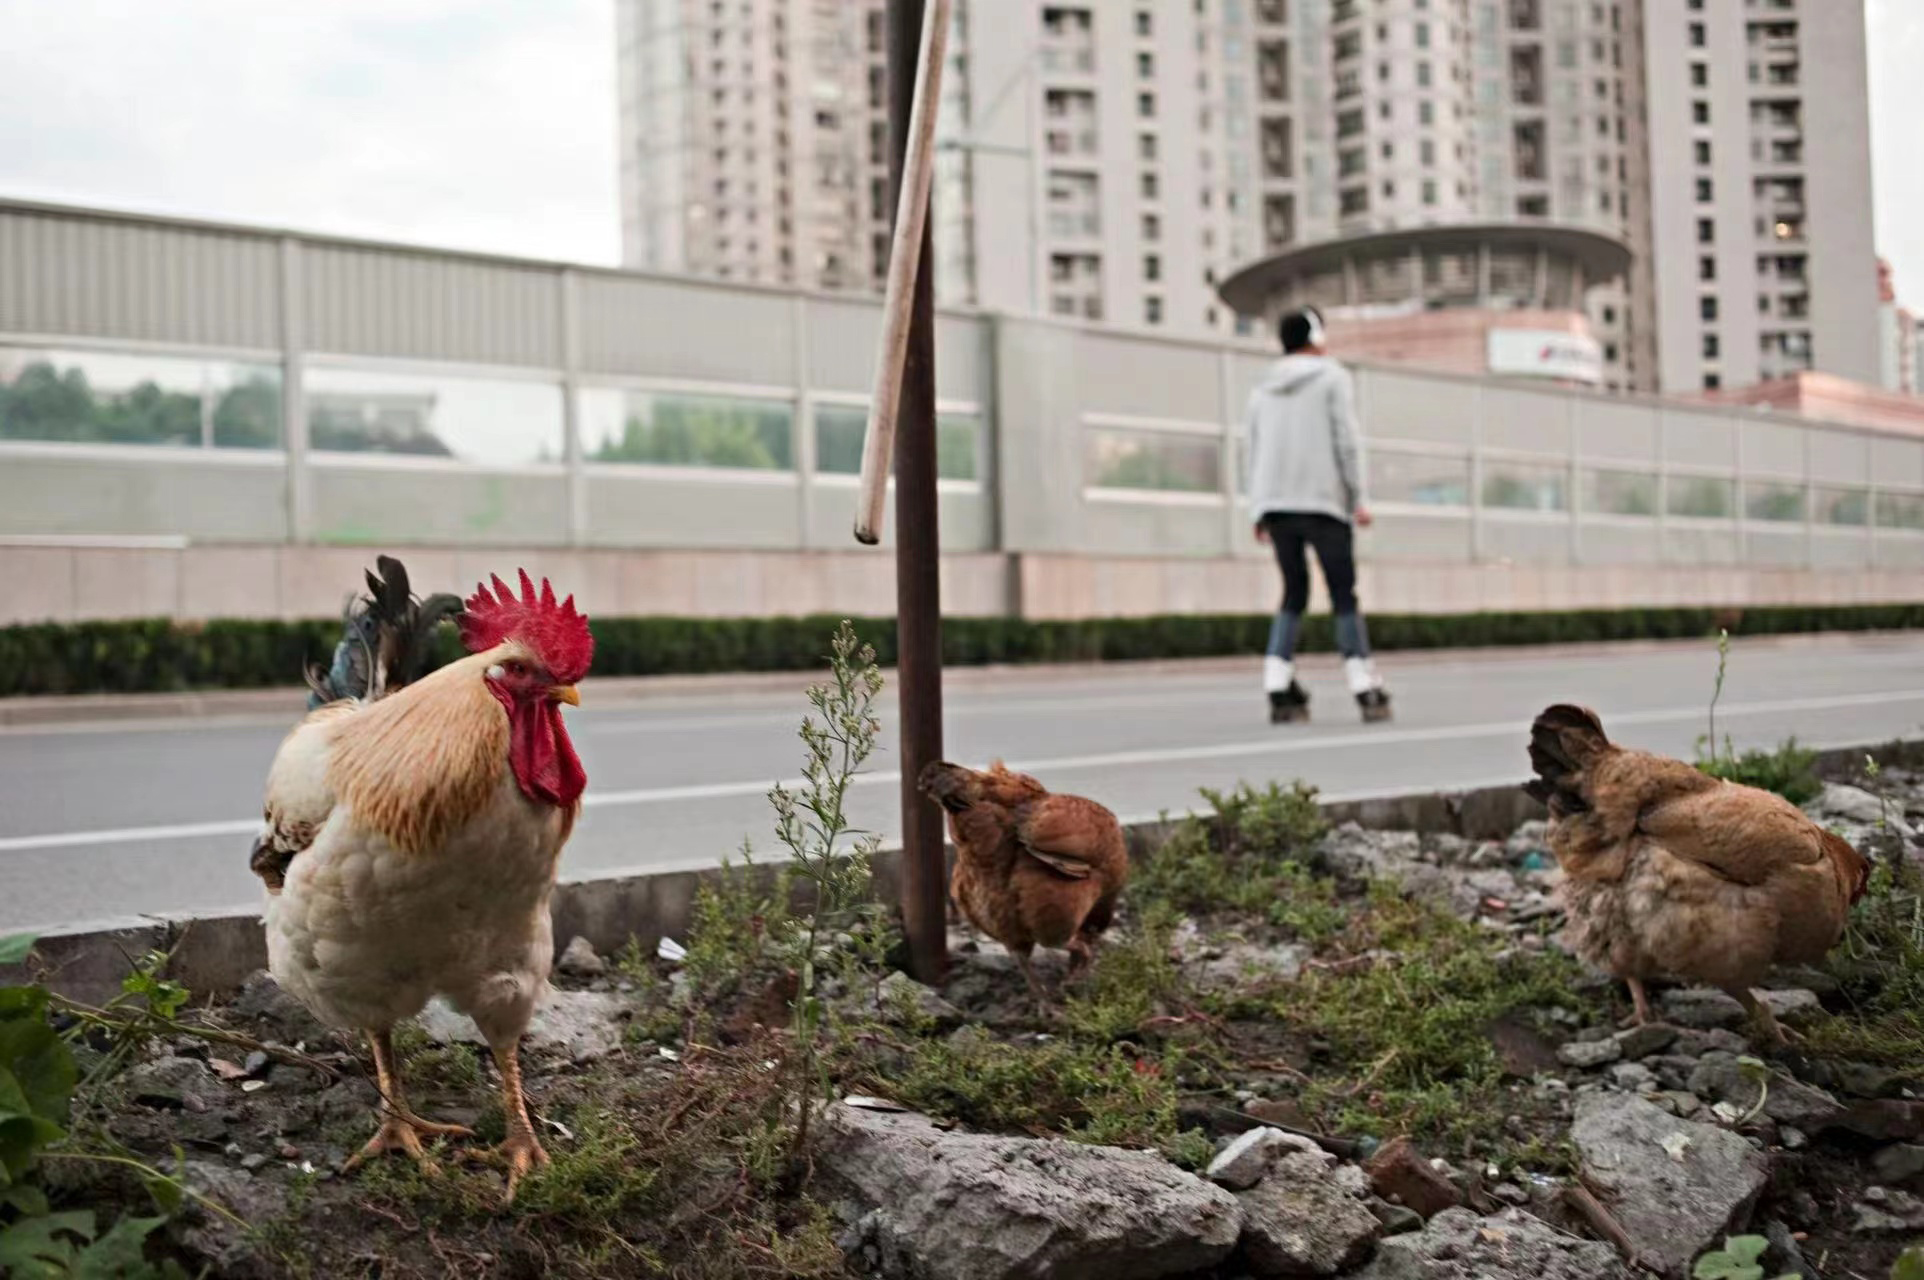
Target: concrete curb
(213, 955)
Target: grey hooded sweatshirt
(1305, 450)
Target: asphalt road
(106, 822)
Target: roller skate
(1371, 700)
(1288, 700)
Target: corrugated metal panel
(654, 328)
(101, 278)
(381, 302)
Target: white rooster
(415, 842)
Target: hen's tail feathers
(387, 639)
(1564, 742)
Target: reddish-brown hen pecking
(1032, 869)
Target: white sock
(1362, 675)
(1278, 673)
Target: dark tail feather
(387, 638)
(1564, 742)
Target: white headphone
(1315, 319)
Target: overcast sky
(482, 124)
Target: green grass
(1788, 769)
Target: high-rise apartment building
(754, 139)
(1113, 160)
(1760, 169)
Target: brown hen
(1671, 872)
(1031, 869)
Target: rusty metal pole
(918, 568)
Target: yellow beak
(565, 693)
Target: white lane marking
(1269, 746)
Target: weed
(1741, 1258)
(1880, 967)
(1131, 983)
(1252, 855)
(1789, 770)
(736, 913)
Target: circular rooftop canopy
(1500, 264)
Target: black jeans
(1334, 543)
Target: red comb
(557, 633)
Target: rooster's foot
(519, 1155)
(403, 1132)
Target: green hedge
(157, 656)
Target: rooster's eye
(517, 669)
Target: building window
(1712, 349)
(1151, 267)
(1703, 151)
(1422, 35)
(97, 397)
(1151, 188)
(662, 429)
(1699, 75)
(1146, 146)
(1700, 112)
(1711, 383)
(1707, 308)
(1423, 75)
(1146, 105)
(1706, 193)
(1152, 310)
(1145, 23)
(1146, 66)
(1697, 40)
(1151, 227)
(1706, 268)
(1429, 191)
(1125, 459)
(1706, 231)
(1426, 112)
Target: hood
(1294, 372)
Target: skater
(1306, 489)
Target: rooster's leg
(1641, 1000)
(520, 1151)
(401, 1130)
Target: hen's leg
(1639, 998)
(1082, 954)
(1760, 1014)
(520, 1151)
(1024, 956)
(400, 1129)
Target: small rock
(256, 1063)
(1786, 1257)
(1301, 1221)
(1719, 1076)
(253, 1161)
(1884, 1210)
(961, 1206)
(1858, 805)
(1867, 1080)
(1884, 1120)
(1277, 1111)
(1523, 1051)
(1247, 1160)
(289, 1151)
(169, 1082)
(1704, 1008)
(1643, 1041)
(1589, 1054)
(1458, 1245)
(1676, 1186)
(1241, 964)
(1398, 1172)
(903, 1000)
(261, 1000)
(1793, 1138)
(580, 1026)
(1695, 1043)
(1511, 1194)
(1632, 1076)
(1899, 1162)
(579, 959)
(1397, 1219)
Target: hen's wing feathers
(1072, 836)
(1743, 834)
(387, 638)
